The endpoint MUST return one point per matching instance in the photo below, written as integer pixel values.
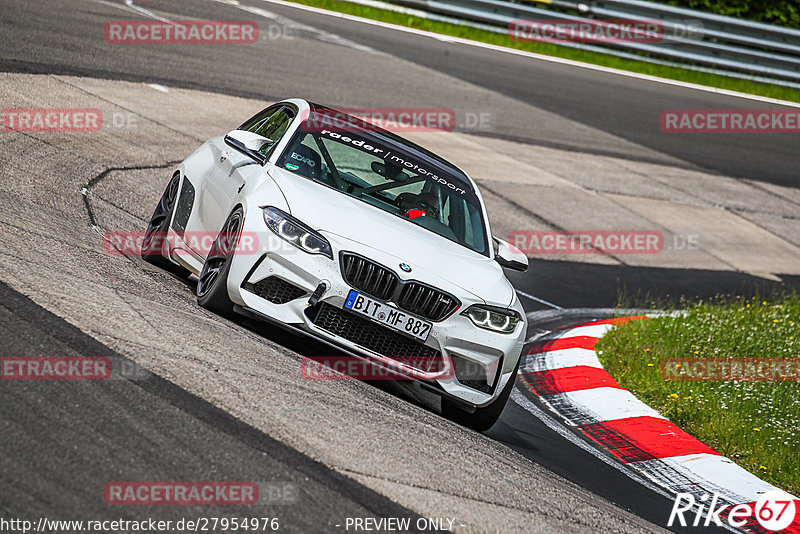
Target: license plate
(388, 315)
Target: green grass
(675, 73)
(757, 424)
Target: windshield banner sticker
(402, 161)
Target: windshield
(393, 177)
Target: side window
(256, 120)
(271, 123)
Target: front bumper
(287, 277)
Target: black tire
(212, 284)
(482, 419)
(157, 228)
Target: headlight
(492, 318)
(298, 234)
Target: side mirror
(249, 143)
(508, 255)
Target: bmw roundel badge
(405, 267)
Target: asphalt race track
(222, 400)
(45, 469)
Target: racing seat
(403, 200)
(307, 159)
(425, 203)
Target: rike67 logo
(774, 511)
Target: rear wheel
(212, 285)
(481, 419)
(156, 234)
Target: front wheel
(212, 285)
(481, 419)
(156, 234)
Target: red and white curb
(562, 370)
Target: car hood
(391, 240)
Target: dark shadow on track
(70, 438)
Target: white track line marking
(533, 55)
(537, 299)
(559, 359)
(133, 8)
(147, 13)
(598, 405)
(299, 26)
(594, 330)
(118, 6)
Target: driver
(422, 205)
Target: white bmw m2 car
(358, 238)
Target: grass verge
(757, 424)
(475, 34)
